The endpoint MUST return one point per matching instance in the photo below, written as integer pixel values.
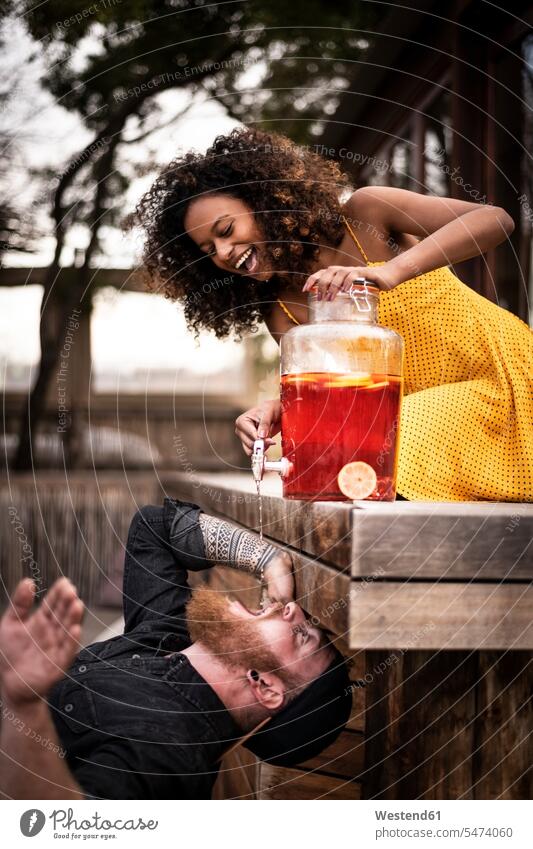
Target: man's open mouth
(248, 260)
(261, 611)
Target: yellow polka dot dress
(467, 416)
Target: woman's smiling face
(225, 229)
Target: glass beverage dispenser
(341, 391)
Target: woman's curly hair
(295, 195)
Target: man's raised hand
(37, 648)
(279, 578)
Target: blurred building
(443, 104)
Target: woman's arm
(450, 232)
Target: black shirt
(135, 723)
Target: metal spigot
(260, 464)
(258, 460)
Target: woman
(268, 213)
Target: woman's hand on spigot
(279, 578)
(260, 422)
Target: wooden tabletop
(425, 575)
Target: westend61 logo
(65, 825)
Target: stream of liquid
(262, 592)
(260, 505)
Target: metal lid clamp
(360, 300)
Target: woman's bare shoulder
(364, 201)
(365, 211)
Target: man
(150, 714)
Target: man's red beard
(233, 641)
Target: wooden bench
(432, 605)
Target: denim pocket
(75, 705)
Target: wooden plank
(77, 530)
(448, 725)
(357, 718)
(502, 766)
(323, 592)
(279, 783)
(319, 529)
(442, 616)
(420, 732)
(239, 773)
(344, 758)
(398, 539)
(356, 663)
(355, 659)
(238, 776)
(489, 541)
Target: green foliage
(277, 64)
(303, 51)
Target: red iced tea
(329, 420)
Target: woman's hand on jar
(340, 278)
(260, 422)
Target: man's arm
(228, 545)
(36, 649)
(165, 543)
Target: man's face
(301, 647)
(279, 637)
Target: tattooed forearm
(229, 545)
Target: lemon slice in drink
(357, 480)
(380, 385)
